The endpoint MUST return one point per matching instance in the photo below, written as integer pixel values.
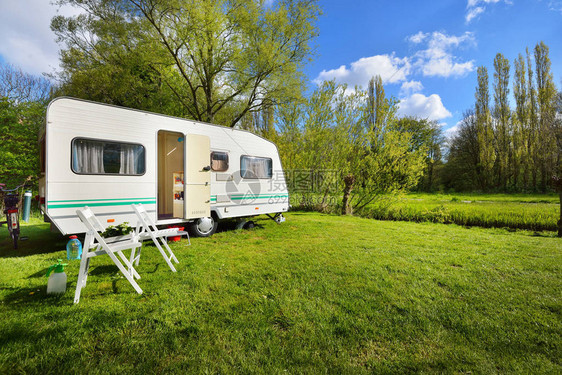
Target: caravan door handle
(207, 168)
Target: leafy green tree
(533, 141)
(428, 134)
(19, 149)
(461, 172)
(521, 130)
(18, 86)
(502, 112)
(332, 136)
(546, 99)
(377, 104)
(315, 140)
(484, 130)
(23, 100)
(212, 61)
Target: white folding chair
(146, 229)
(95, 245)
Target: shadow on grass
(110, 269)
(24, 334)
(42, 273)
(35, 295)
(231, 225)
(40, 240)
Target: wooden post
(348, 180)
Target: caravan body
(107, 158)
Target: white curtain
(127, 159)
(256, 167)
(88, 157)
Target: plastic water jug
(57, 280)
(73, 248)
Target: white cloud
(392, 69)
(437, 59)
(418, 38)
(555, 5)
(419, 105)
(451, 132)
(27, 40)
(473, 13)
(410, 87)
(476, 7)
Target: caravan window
(90, 156)
(254, 167)
(219, 161)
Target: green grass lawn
(515, 211)
(316, 294)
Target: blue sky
(427, 52)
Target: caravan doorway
(171, 151)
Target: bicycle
(11, 210)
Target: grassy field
(515, 211)
(317, 294)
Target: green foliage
(425, 134)
(484, 130)
(378, 297)
(19, 146)
(119, 230)
(212, 61)
(331, 136)
(502, 131)
(503, 151)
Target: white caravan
(107, 158)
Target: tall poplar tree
(533, 122)
(504, 156)
(546, 99)
(521, 124)
(377, 104)
(484, 129)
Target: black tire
(204, 227)
(15, 238)
(250, 225)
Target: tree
(461, 172)
(19, 149)
(521, 131)
(19, 86)
(533, 139)
(213, 61)
(427, 134)
(546, 99)
(329, 143)
(377, 104)
(504, 156)
(484, 130)
(260, 122)
(23, 99)
(316, 139)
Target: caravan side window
(255, 167)
(219, 161)
(92, 156)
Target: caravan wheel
(204, 227)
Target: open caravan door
(197, 176)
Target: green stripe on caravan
(258, 196)
(100, 202)
(103, 200)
